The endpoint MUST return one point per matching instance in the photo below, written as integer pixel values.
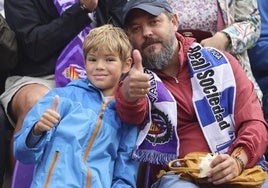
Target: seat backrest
(22, 175)
(5, 137)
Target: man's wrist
(239, 161)
(240, 164)
(227, 39)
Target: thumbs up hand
(48, 120)
(137, 83)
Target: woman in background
(231, 25)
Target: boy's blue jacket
(65, 157)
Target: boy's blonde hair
(108, 38)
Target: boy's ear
(127, 65)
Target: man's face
(154, 37)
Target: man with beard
(187, 99)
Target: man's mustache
(150, 41)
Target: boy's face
(104, 70)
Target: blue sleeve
(32, 139)
(126, 169)
(33, 154)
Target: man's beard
(161, 60)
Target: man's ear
(175, 21)
(127, 65)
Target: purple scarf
(70, 63)
(158, 141)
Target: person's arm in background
(110, 12)
(242, 27)
(8, 47)
(40, 30)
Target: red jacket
(251, 128)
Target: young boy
(74, 135)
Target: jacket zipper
(92, 139)
(51, 169)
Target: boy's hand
(137, 84)
(48, 120)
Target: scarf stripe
(214, 90)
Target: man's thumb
(137, 60)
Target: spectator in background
(230, 25)
(8, 48)
(8, 59)
(188, 99)
(47, 32)
(78, 123)
(258, 55)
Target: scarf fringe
(153, 157)
(263, 163)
